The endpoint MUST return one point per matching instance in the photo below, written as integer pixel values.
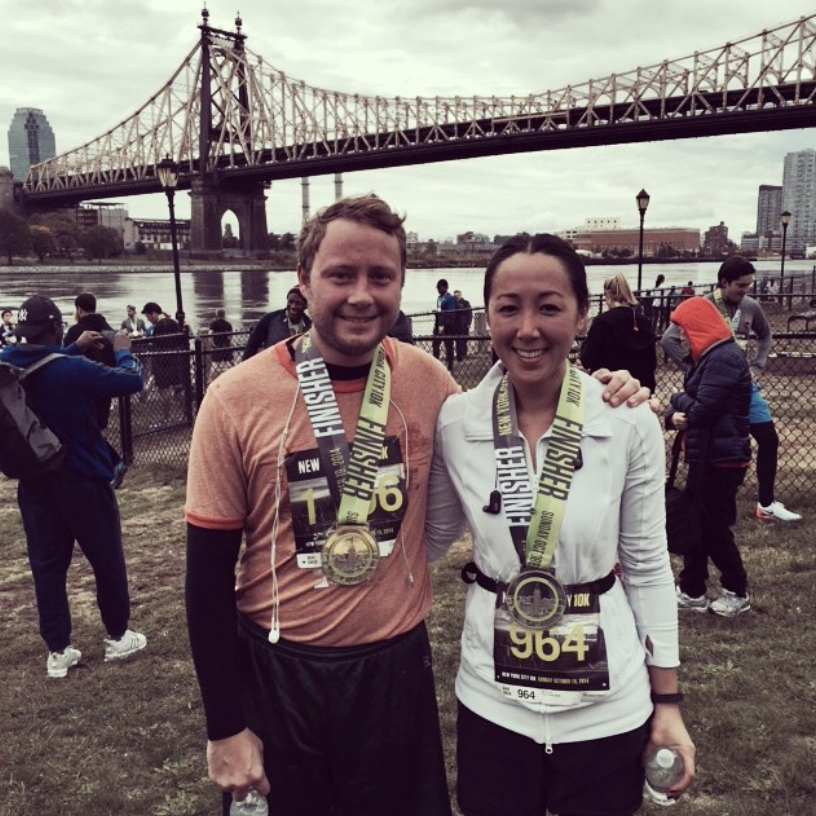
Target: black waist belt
(471, 574)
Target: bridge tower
(212, 197)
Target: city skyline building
(799, 198)
(769, 206)
(30, 141)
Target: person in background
(461, 326)
(278, 325)
(168, 370)
(621, 337)
(687, 291)
(401, 330)
(713, 413)
(132, 324)
(74, 504)
(7, 336)
(568, 674)
(87, 319)
(746, 320)
(444, 322)
(220, 330)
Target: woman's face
(533, 316)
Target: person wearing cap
(75, 503)
(133, 325)
(713, 412)
(278, 325)
(169, 370)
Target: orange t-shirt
(231, 484)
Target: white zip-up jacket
(615, 513)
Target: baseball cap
(150, 306)
(36, 314)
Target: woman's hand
(669, 731)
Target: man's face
(735, 291)
(441, 288)
(153, 317)
(7, 318)
(294, 308)
(131, 312)
(353, 291)
(458, 295)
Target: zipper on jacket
(548, 746)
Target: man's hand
(620, 386)
(235, 764)
(679, 421)
(669, 730)
(88, 339)
(122, 340)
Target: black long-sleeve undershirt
(212, 626)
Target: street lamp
(168, 172)
(642, 199)
(784, 219)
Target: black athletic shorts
(502, 773)
(350, 731)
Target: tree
(228, 240)
(15, 238)
(287, 242)
(274, 241)
(64, 230)
(42, 241)
(100, 242)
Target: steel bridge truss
(264, 123)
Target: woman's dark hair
(735, 267)
(544, 244)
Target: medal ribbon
(536, 537)
(351, 475)
(719, 302)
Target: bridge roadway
(782, 112)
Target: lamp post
(784, 219)
(168, 173)
(642, 199)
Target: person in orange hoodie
(713, 413)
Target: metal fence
(155, 426)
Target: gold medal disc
(350, 554)
(535, 599)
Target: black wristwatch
(671, 699)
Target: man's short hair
(86, 301)
(735, 267)
(296, 291)
(369, 209)
(151, 307)
(220, 312)
(442, 282)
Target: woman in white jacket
(568, 673)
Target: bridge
(234, 123)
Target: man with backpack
(73, 501)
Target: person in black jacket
(621, 337)
(713, 413)
(276, 326)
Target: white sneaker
(776, 511)
(127, 645)
(687, 603)
(729, 604)
(58, 663)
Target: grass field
(128, 739)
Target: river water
(247, 294)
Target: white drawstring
(274, 626)
(407, 486)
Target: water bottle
(664, 766)
(253, 805)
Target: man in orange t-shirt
(320, 694)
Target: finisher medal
(350, 555)
(535, 599)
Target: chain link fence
(155, 426)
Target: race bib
(314, 514)
(556, 665)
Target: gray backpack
(28, 448)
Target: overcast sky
(88, 64)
